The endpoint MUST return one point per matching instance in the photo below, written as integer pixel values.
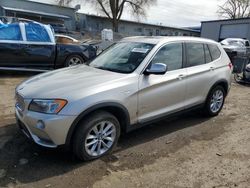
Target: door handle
(212, 68)
(27, 46)
(181, 76)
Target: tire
(73, 60)
(213, 110)
(238, 78)
(85, 133)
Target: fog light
(40, 125)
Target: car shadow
(45, 163)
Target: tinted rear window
(207, 54)
(214, 51)
(195, 54)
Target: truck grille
(20, 105)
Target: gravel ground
(185, 151)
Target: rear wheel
(215, 101)
(238, 77)
(96, 136)
(74, 60)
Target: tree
(233, 9)
(114, 9)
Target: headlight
(47, 106)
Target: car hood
(68, 82)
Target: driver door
(160, 95)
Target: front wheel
(74, 60)
(215, 101)
(96, 136)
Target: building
(53, 14)
(197, 28)
(95, 23)
(222, 29)
(40, 12)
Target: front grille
(20, 102)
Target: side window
(36, 33)
(207, 54)
(195, 54)
(171, 55)
(10, 32)
(215, 51)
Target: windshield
(123, 57)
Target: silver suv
(136, 81)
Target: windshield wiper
(110, 69)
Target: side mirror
(157, 68)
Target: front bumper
(44, 129)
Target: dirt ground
(186, 151)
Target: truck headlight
(52, 106)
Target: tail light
(230, 65)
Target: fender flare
(221, 81)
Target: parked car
(59, 28)
(136, 81)
(236, 46)
(29, 45)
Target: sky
(179, 13)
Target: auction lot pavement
(186, 151)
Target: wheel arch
(64, 51)
(75, 53)
(118, 110)
(223, 83)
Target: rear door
(200, 70)
(39, 50)
(10, 45)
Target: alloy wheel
(75, 61)
(216, 101)
(100, 138)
